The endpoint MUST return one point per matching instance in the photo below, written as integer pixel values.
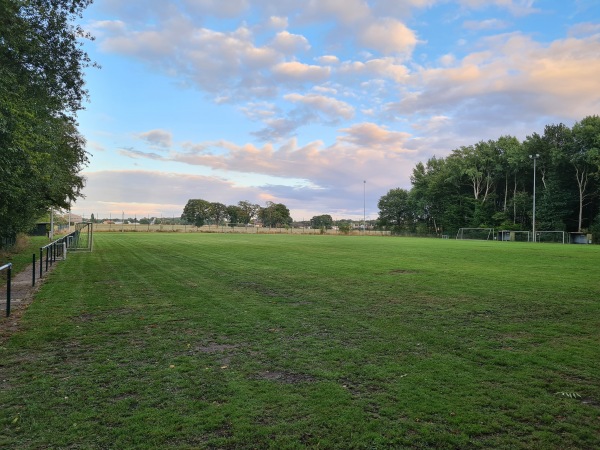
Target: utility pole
(534, 157)
(365, 207)
(51, 224)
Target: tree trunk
(505, 191)
(582, 178)
(581, 184)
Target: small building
(581, 238)
(40, 229)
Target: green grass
(21, 255)
(259, 341)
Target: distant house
(75, 218)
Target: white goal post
(481, 234)
(514, 236)
(559, 237)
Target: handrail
(8, 268)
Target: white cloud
(278, 22)
(402, 8)
(259, 110)
(219, 8)
(330, 107)
(297, 71)
(379, 67)
(388, 36)
(515, 7)
(515, 76)
(584, 29)
(93, 147)
(372, 136)
(447, 60)
(129, 191)
(101, 28)
(157, 138)
(346, 11)
(289, 44)
(361, 150)
(328, 60)
(487, 24)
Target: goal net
(558, 237)
(82, 238)
(514, 236)
(481, 234)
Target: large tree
(397, 211)
(248, 211)
(322, 221)
(41, 90)
(197, 211)
(491, 183)
(218, 212)
(275, 215)
(584, 157)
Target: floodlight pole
(534, 157)
(365, 207)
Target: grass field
(21, 255)
(257, 341)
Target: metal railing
(80, 239)
(8, 268)
(54, 250)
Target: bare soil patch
(402, 272)
(285, 377)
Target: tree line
(490, 184)
(200, 212)
(41, 90)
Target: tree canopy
(275, 215)
(41, 90)
(490, 184)
(201, 212)
(323, 221)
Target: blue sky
(300, 102)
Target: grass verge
(21, 254)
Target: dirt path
(22, 294)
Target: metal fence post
(41, 261)
(8, 288)
(33, 271)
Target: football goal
(514, 236)
(481, 234)
(558, 237)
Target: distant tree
(275, 215)
(344, 226)
(322, 221)
(217, 212)
(233, 213)
(196, 211)
(247, 211)
(396, 210)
